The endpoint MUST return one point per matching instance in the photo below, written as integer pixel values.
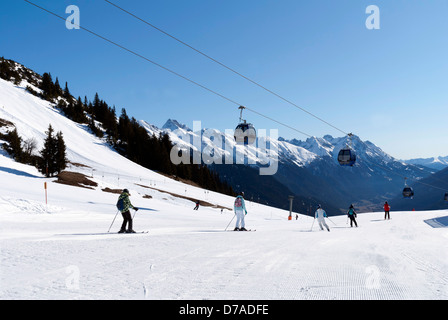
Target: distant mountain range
(307, 169)
(437, 163)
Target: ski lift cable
(169, 70)
(194, 82)
(226, 67)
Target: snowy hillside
(62, 250)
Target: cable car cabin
(446, 196)
(245, 133)
(408, 192)
(347, 157)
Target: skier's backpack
(238, 202)
(120, 204)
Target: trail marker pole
(46, 198)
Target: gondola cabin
(245, 133)
(347, 157)
(408, 193)
(446, 196)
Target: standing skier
(240, 211)
(124, 208)
(352, 215)
(386, 211)
(197, 205)
(320, 214)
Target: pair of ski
(236, 230)
(137, 232)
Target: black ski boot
(236, 229)
(130, 231)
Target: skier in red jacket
(386, 211)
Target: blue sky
(388, 86)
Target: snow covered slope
(62, 250)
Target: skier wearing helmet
(351, 213)
(240, 211)
(321, 215)
(127, 218)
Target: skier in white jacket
(240, 211)
(321, 215)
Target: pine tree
(61, 154)
(66, 94)
(47, 86)
(15, 144)
(53, 155)
(48, 160)
(57, 88)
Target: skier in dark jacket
(197, 205)
(352, 215)
(127, 218)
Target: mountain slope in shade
(428, 193)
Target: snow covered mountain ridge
(436, 163)
(309, 150)
(301, 153)
(308, 168)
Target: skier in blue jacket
(320, 214)
(240, 211)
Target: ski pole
(331, 221)
(312, 224)
(136, 209)
(113, 220)
(230, 222)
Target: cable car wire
(200, 85)
(225, 66)
(169, 70)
